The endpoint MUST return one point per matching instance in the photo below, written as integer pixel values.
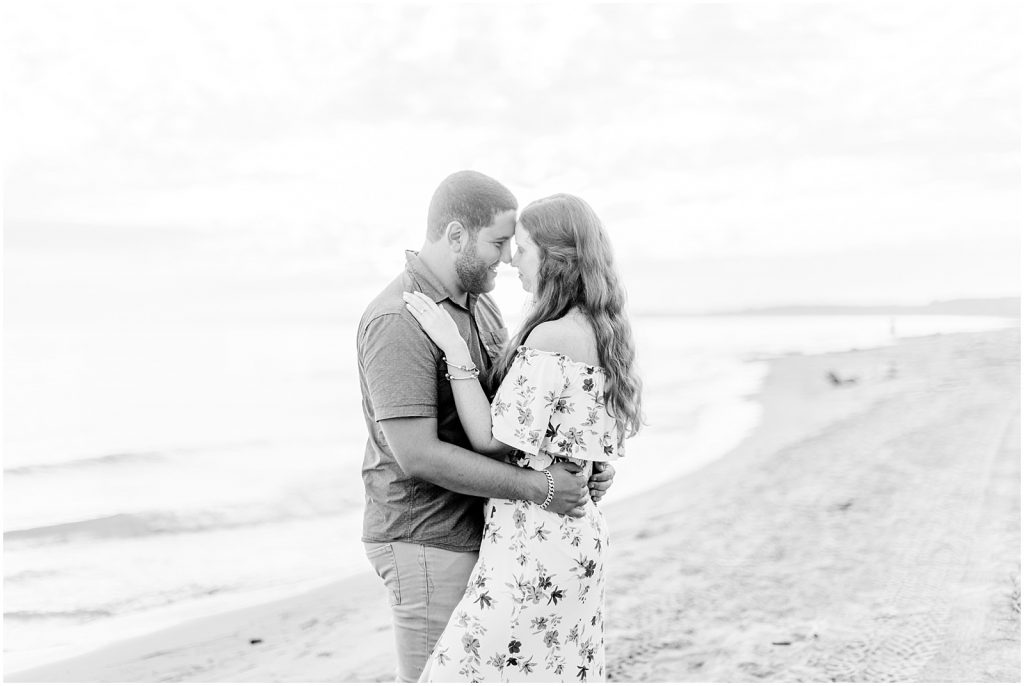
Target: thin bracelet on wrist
(459, 378)
(551, 490)
(466, 368)
(473, 372)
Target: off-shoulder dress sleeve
(550, 403)
(524, 402)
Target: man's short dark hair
(470, 198)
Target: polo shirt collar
(429, 284)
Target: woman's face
(526, 259)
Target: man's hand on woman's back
(570, 489)
(601, 480)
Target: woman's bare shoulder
(569, 336)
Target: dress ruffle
(551, 404)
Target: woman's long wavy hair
(576, 270)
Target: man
(424, 515)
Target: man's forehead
(504, 226)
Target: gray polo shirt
(401, 374)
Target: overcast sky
(761, 152)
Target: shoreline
(883, 544)
(341, 631)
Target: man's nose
(506, 253)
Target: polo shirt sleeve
(399, 368)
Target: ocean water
(173, 450)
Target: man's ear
(456, 235)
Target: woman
(534, 607)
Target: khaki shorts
(424, 585)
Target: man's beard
(472, 271)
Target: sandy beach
(865, 531)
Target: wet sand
(868, 531)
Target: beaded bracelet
(460, 378)
(472, 370)
(551, 490)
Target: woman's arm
(470, 400)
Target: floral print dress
(534, 606)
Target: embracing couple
(486, 455)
